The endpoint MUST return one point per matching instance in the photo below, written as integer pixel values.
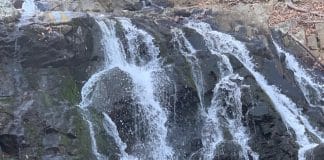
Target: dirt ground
(301, 19)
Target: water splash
(111, 129)
(312, 90)
(89, 87)
(289, 112)
(143, 74)
(223, 105)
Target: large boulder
(114, 95)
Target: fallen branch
(294, 7)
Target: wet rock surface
(316, 153)
(40, 88)
(44, 65)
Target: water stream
(142, 70)
(29, 9)
(289, 112)
(311, 88)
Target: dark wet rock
(43, 71)
(315, 115)
(182, 13)
(207, 62)
(114, 96)
(268, 133)
(53, 157)
(228, 151)
(18, 3)
(43, 46)
(9, 144)
(316, 154)
(39, 90)
(114, 91)
(50, 141)
(163, 3)
(8, 85)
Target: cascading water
(211, 133)
(312, 90)
(291, 115)
(29, 9)
(111, 129)
(190, 54)
(143, 72)
(144, 77)
(228, 108)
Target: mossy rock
(78, 144)
(70, 90)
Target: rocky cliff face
(41, 76)
(45, 64)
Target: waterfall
(190, 54)
(29, 9)
(312, 90)
(220, 107)
(144, 74)
(111, 129)
(291, 115)
(145, 77)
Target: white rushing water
(142, 72)
(111, 129)
(312, 89)
(212, 129)
(86, 95)
(89, 86)
(190, 54)
(211, 132)
(144, 77)
(289, 112)
(227, 102)
(29, 9)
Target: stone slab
(312, 42)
